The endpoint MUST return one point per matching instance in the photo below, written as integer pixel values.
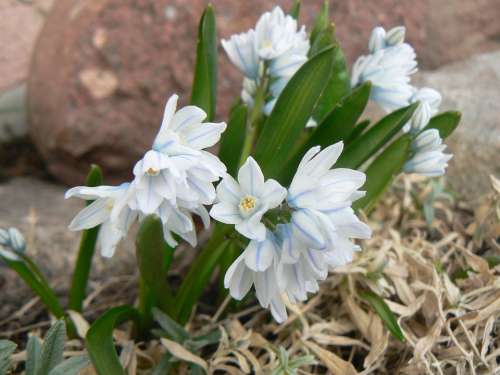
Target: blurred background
(85, 82)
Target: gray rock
(42, 214)
(473, 88)
(13, 119)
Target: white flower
(99, 212)
(321, 198)
(276, 33)
(257, 266)
(429, 102)
(245, 201)
(242, 53)
(428, 157)
(388, 68)
(276, 43)
(11, 243)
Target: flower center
(152, 172)
(247, 205)
(267, 43)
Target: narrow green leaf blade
(174, 330)
(52, 348)
(150, 246)
(71, 366)
(445, 122)
(204, 93)
(291, 112)
(295, 10)
(86, 251)
(6, 350)
(339, 84)
(382, 172)
(375, 138)
(340, 122)
(358, 130)
(99, 340)
(233, 138)
(164, 365)
(26, 269)
(34, 349)
(321, 23)
(387, 316)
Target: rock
(118, 60)
(13, 121)
(40, 211)
(17, 43)
(472, 87)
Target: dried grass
(436, 280)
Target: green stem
(82, 269)
(255, 117)
(86, 252)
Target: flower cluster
(173, 180)
(297, 235)
(388, 67)
(274, 50)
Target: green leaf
(445, 122)
(204, 94)
(34, 349)
(174, 330)
(291, 112)
(387, 316)
(358, 130)
(52, 348)
(201, 341)
(230, 254)
(337, 125)
(382, 171)
(164, 365)
(493, 261)
(321, 23)
(340, 122)
(27, 270)
(6, 350)
(86, 252)
(339, 84)
(233, 138)
(360, 150)
(71, 366)
(295, 11)
(199, 274)
(150, 245)
(99, 340)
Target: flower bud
(4, 237)
(430, 96)
(395, 36)
(377, 39)
(421, 117)
(17, 242)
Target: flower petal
(168, 115)
(204, 135)
(238, 279)
(226, 213)
(251, 178)
(92, 215)
(273, 193)
(305, 226)
(259, 255)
